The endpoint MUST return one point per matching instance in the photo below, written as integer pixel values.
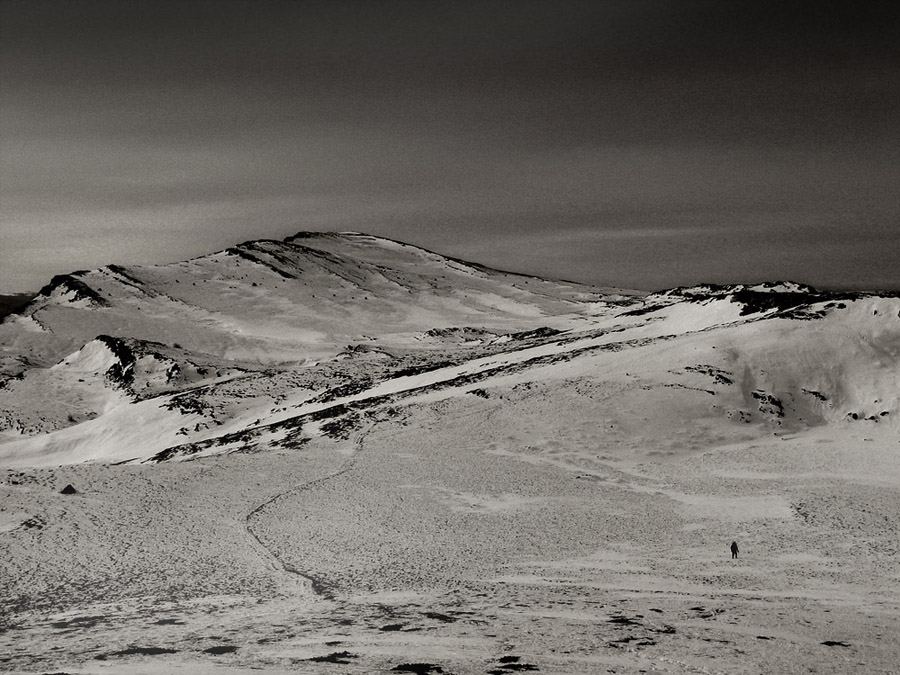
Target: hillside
(758, 350)
(355, 453)
(267, 302)
(276, 313)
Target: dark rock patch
(138, 651)
(623, 641)
(815, 394)
(835, 643)
(719, 375)
(768, 403)
(511, 664)
(36, 523)
(340, 429)
(334, 657)
(646, 309)
(220, 649)
(542, 332)
(121, 372)
(624, 621)
(145, 651)
(439, 617)
(68, 490)
(756, 301)
(418, 668)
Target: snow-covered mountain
(343, 453)
(267, 302)
(271, 342)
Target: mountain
(262, 309)
(226, 351)
(348, 450)
(267, 302)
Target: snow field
(476, 529)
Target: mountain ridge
(275, 339)
(323, 282)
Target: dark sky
(636, 143)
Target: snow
(94, 358)
(127, 431)
(26, 323)
(523, 558)
(562, 504)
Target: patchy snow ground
(478, 531)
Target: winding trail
(320, 587)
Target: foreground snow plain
(563, 504)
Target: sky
(632, 143)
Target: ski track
(319, 587)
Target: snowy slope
(705, 357)
(258, 306)
(339, 453)
(265, 301)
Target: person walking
(734, 550)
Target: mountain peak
(269, 301)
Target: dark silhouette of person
(734, 550)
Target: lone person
(734, 550)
